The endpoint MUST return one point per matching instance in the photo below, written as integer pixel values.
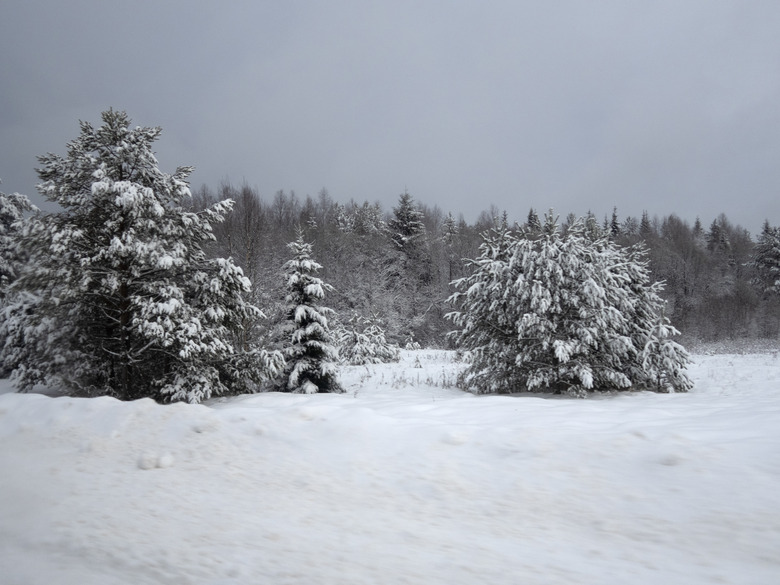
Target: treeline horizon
(398, 264)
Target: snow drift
(402, 479)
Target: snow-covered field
(404, 479)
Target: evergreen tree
(406, 227)
(564, 313)
(698, 230)
(367, 219)
(630, 227)
(12, 255)
(344, 220)
(363, 341)
(449, 229)
(645, 227)
(12, 214)
(504, 219)
(614, 225)
(766, 259)
(532, 223)
(592, 229)
(310, 353)
(411, 268)
(118, 296)
(717, 238)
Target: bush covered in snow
(118, 296)
(547, 311)
(362, 341)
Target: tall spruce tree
(645, 227)
(118, 296)
(410, 268)
(406, 227)
(311, 353)
(717, 238)
(766, 259)
(564, 313)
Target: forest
(399, 264)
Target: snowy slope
(403, 479)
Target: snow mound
(152, 461)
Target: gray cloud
(672, 107)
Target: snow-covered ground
(403, 479)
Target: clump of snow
(153, 460)
(401, 479)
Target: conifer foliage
(12, 214)
(363, 341)
(118, 296)
(310, 353)
(406, 227)
(766, 259)
(553, 312)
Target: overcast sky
(664, 106)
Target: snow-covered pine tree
(449, 230)
(12, 219)
(485, 319)
(367, 219)
(591, 227)
(362, 341)
(646, 230)
(717, 237)
(411, 268)
(310, 353)
(118, 296)
(406, 227)
(766, 259)
(614, 225)
(564, 313)
(13, 209)
(532, 223)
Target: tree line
(399, 263)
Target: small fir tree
(698, 230)
(564, 313)
(449, 229)
(532, 223)
(614, 225)
(363, 342)
(310, 353)
(411, 344)
(591, 227)
(630, 227)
